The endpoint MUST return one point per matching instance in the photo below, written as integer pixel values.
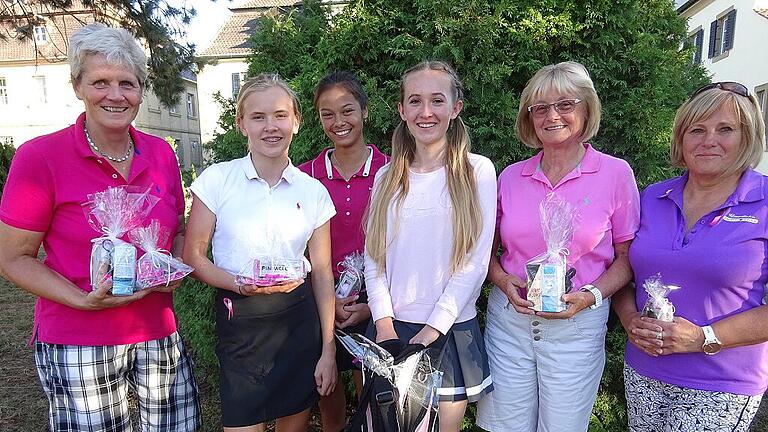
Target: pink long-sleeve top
(417, 285)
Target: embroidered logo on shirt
(730, 217)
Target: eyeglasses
(730, 86)
(562, 107)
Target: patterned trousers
(655, 406)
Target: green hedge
(6, 155)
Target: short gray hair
(117, 45)
(567, 77)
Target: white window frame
(191, 106)
(3, 91)
(41, 34)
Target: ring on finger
(660, 335)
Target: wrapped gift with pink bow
(156, 266)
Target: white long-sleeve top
(417, 285)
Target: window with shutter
(728, 29)
(236, 82)
(712, 39)
(696, 39)
(721, 34)
(698, 46)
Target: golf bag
(382, 406)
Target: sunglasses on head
(730, 86)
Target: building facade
(36, 95)
(728, 38)
(227, 58)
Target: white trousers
(545, 372)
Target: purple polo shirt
(602, 188)
(49, 179)
(350, 199)
(722, 267)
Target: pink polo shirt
(604, 192)
(49, 179)
(350, 199)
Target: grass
(23, 406)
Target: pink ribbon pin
(230, 308)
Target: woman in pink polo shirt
(347, 170)
(706, 232)
(546, 367)
(90, 345)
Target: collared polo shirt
(602, 188)
(721, 265)
(49, 180)
(254, 219)
(350, 197)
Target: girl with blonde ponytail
(429, 236)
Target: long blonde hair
(462, 186)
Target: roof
(265, 4)
(233, 38)
(762, 12)
(59, 26)
(685, 6)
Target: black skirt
(268, 348)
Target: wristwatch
(712, 344)
(595, 292)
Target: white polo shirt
(254, 219)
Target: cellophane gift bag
(271, 264)
(156, 266)
(352, 276)
(658, 305)
(546, 273)
(113, 212)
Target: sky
(210, 17)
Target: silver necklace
(113, 159)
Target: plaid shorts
(87, 386)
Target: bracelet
(240, 289)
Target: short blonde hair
(569, 78)
(702, 106)
(263, 82)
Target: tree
(7, 151)
(156, 22)
(635, 50)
